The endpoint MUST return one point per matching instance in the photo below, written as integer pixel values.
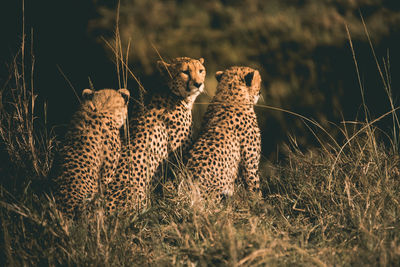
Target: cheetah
(91, 150)
(163, 128)
(230, 140)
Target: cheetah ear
(125, 94)
(249, 78)
(87, 94)
(163, 67)
(218, 75)
(201, 60)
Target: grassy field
(338, 204)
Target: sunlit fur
(164, 127)
(91, 148)
(230, 141)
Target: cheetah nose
(197, 84)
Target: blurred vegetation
(300, 47)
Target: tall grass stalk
(26, 142)
(386, 81)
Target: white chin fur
(256, 99)
(194, 88)
(192, 95)
(227, 191)
(201, 88)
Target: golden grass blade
(69, 83)
(367, 126)
(159, 55)
(125, 65)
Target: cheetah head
(110, 101)
(185, 76)
(242, 82)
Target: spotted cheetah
(91, 150)
(230, 139)
(165, 126)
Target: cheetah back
(91, 149)
(230, 140)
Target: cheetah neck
(232, 104)
(189, 101)
(89, 117)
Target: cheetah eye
(185, 72)
(201, 71)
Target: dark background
(300, 48)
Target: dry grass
(304, 219)
(25, 140)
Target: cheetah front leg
(112, 151)
(251, 153)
